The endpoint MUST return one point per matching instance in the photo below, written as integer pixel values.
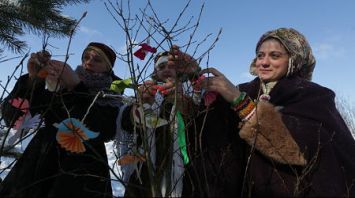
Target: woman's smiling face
(271, 61)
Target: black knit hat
(110, 54)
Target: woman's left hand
(220, 84)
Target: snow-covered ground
(117, 188)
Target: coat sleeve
(268, 134)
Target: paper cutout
(72, 133)
(119, 86)
(23, 105)
(142, 52)
(130, 159)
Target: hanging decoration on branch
(182, 137)
(209, 96)
(23, 105)
(145, 47)
(25, 122)
(72, 134)
(130, 159)
(142, 51)
(118, 86)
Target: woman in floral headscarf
(297, 143)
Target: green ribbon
(181, 137)
(119, 86)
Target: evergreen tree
(18, 17)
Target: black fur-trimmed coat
(47, 170)
(297, 144)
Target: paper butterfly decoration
(31, 122)
(72, 133)
(28, 123)
(25, 122)
(130, 159)
(118, 86)
(142, 52)
(23, 105)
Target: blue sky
(328, 25)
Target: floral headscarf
(301, 61)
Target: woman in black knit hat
(67, 156)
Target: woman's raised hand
(148, 90)
(219, 83)
(37, 63)
(183, 62)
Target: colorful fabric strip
(182, 138)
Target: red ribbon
(142, 52)
(161, 89)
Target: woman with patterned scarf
(67, 156)
(289, 140)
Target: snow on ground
(117, 188)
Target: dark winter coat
(231, 158)
(216, 153)
(309, 113)
(47, 170)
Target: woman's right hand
(37, 62)
(220, 84)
